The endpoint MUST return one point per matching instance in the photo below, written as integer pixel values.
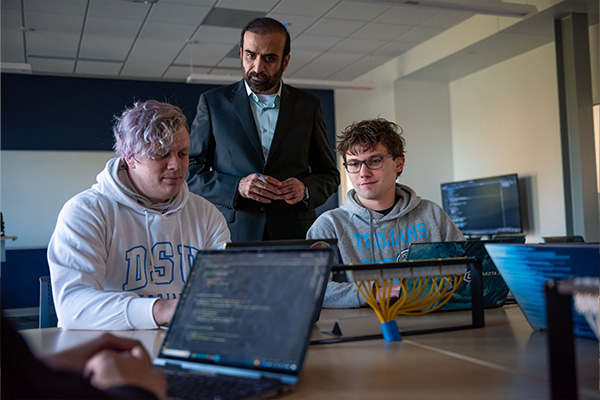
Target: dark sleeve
(24, 376)
(215, 186)
(325, 177)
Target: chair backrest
(48, 318)
(559, 239)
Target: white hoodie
(113, 254)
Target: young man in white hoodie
(380, 217)
(122, 250)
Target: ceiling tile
(205, 54)
(253, 5)
(149, 58)
(303, 56)
(295, 24)
(236, 74)
(10, 19)
(313, 8)
(98, 68)
(230, 63)
(339, 59)
(68, 7)
(108, 38)
(376, 31)
(312, 42)
(407, 15)
(359, 68)
(10, 5)
(54, 22)
(358, 46)
(201, 3)
(178, 13)
(12, 46)
(315, 71)
(334, 27)
(393, 49)
(118, 9)
(51, 65)
(163, 32)
(358, 11)
(419, 34)
(217, 34)
(447, 19)
(291, 69)
(182, 72)
(52, 44)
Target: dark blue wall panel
(20, 277)
(63, 113)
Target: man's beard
(268, 83)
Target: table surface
(504, 360)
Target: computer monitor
(484, 206)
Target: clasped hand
(268, 189)
(111, 361)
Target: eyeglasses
(374, 162)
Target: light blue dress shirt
(265, 108)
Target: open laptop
(243, 322)
(527, 267)
(495, 289)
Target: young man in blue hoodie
(380, 217)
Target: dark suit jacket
(225, 147)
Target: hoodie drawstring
(148, 239)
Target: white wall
(423, 111)
(504, 120)
(35, 186)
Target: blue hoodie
(366, 236)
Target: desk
(504, 360)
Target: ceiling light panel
(250, 5)
(178, 14)
(230, 18)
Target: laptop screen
(495, 289)
(249, 308)
(527, 267)
(292, 243)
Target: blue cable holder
(477, 308)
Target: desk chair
(561, 339)
(563, 239)
(48, 318)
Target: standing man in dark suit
(259, 150)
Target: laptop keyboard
(189, 385)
